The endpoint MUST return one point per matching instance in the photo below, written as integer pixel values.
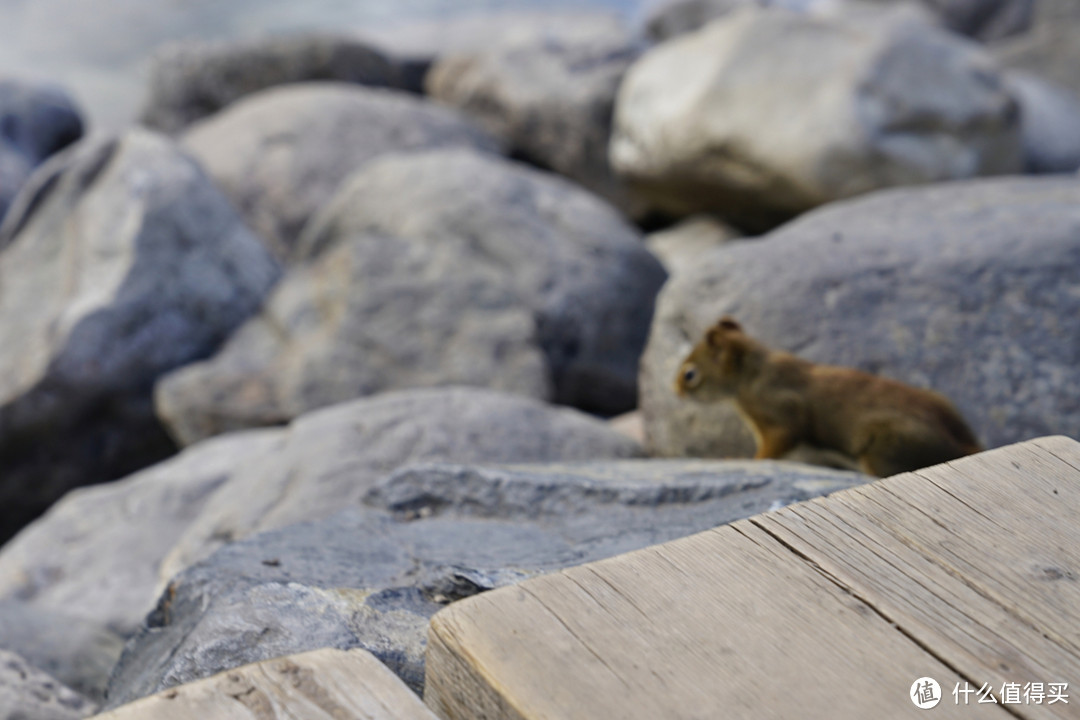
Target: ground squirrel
(884, 425)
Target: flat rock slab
(831, 608)
(331, 684)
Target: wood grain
(966, 572)
(330, 684)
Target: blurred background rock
(102, 49)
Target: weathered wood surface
(966, 573)
(331, 684)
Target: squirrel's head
(717, 364)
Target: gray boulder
(79, 653)
(373, 313)
(330, 458)
(767, 113)
(35, 122)
(120, 261)
(966, 288)
(548, 98)
(985, 20)
(191, 80)
(1050, 124)
(571, 258)
(27, 693)
(280, 154)
(434, 533)
(96, 554)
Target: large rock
(97, 553)
(331, 457)
(984, 20)
(281, 153)
(549, 99)
(191, 80)
(767, 113)
(371, 578)
(120, 261)
(966, 288)
(27, 693)
(374, 313)
(79, 653)
(35, 122)
(578, 266)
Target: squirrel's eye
(690, 376)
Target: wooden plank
(721, 624)
(966, 573)
(331, 684)
(978, 561)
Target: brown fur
(886, 426)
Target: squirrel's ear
(728, 323)
(715, 334)
(732, 357)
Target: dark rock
(35, 122)
(965, 288)
(119, 261)
(191, 80)
(280, 154)
(372, 578)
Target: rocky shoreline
(334, 337)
